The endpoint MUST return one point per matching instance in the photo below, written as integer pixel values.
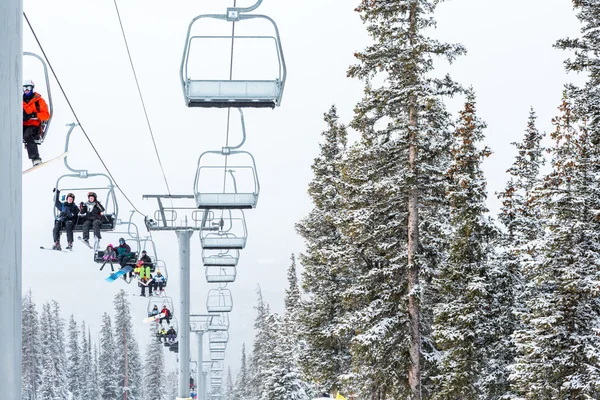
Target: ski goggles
(27, 88)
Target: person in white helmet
(35, 111)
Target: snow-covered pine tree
(558, 344)
(86, 362)
(520, 215)
(397, 192)
(242, 381)
(75, 372)
(264, 342)
(31, 349)
(154, 369)
(107, 371)
(95, 392)
(463, 328)
(127, 353)
(229, 393)
(54, 377)
(326, 354)
(172, 383)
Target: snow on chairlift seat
(221, 274)
(226, 200)
(227, 241)
(217, 355)
(218, 337)
(219, 301)
(221, 259)
(234, 93)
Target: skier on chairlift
(67, 218)
(35, 112)
(92, 215)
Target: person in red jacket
(35, 111)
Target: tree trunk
(414, 314)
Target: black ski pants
(30, 134)
(58, 225)
(86, 229)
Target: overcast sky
(510, 63)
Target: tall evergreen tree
(172, 388)
(95, 391)
(463, 317)
(54, 377)
(264, 342)
(398, 190)
(521, 215)
(558, 354)
(86, 371)
(326, 356)
(127, 354)
(75, 373)
(154, 369)
(229, 387)
(242, 381)
(107, 371)
(30, 346)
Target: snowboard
(63, 155)
(154, 318)
(113, 277)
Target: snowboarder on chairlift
(92, 215)
(167, 316)
(35, 112)
(154, 311)
(66, 218)
(144, 283)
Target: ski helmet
(28, 85)
(92, 194)
(71, 195)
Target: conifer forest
(408, 286)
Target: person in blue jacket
(67, 218)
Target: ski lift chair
(225, 93)
(217, 355)
(219, 300)
(220, 258)
(218, 337)
(45, 125)
(224, 230)
(217, 365)
(131, 236)
(104, 193)
(217, 346)
(219, 322)
(160, 302)
(241, 187)
(220, 274)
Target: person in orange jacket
(35, 111)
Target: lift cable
(75, 115)
(141, 97)
(229, 108)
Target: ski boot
(70, 246)
(56, 246)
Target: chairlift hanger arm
(245, 9)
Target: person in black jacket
(91, 212)
(66, 218)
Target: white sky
(510, 63)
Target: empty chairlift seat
(219, 300)
(237, 171)
(218, 258)
(217, 346)
(218, 337)
(200, 89)
(217, 355)
(220, 274)
(219, 322)
(224, 230)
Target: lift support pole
(11, 142)
(183, 237)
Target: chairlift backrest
(254, 93)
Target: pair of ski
(70, 250)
